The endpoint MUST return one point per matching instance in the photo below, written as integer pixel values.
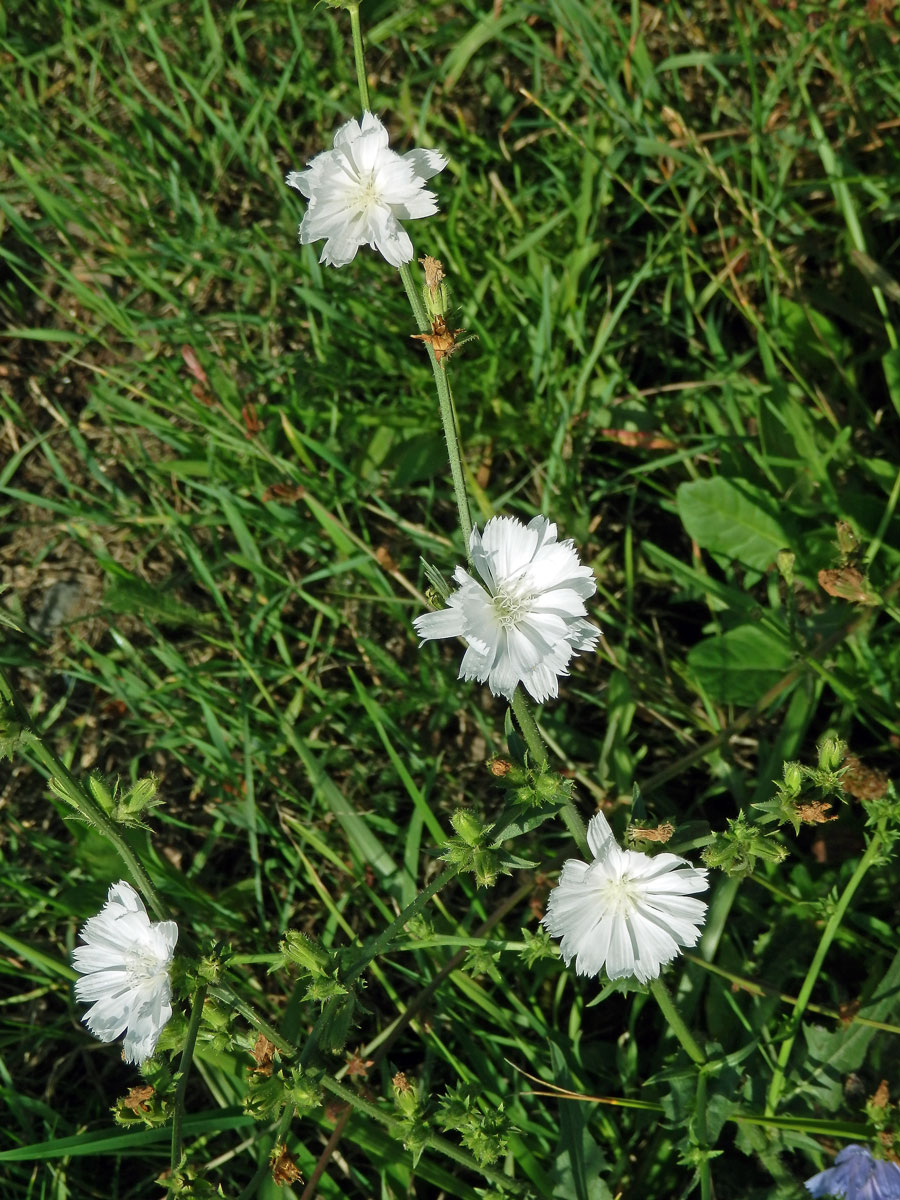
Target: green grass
(674, 231)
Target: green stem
(530, 732)
(379, 944)
(676, 1022)
(538, 751)
(701, 1134)
(359, 57)
(78, 796)
(184, 1069)
(445, 406)
(776, 1087)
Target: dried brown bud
(264, 1054)
(434, 272)
(284, 1169)
(815, 813)
(137, 1098)
(442, 340)
(662, 833)
(847, 583)
(863, 783)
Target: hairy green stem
(676, 1022)
(184, 1070)
(701, 1134)
(79, 797)
(359, 57)
(379, 944)
(538, 751)
(445, 406)
(776, 1087)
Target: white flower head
(125, 967)
(627, 911)
(360, 191)
(526, 622)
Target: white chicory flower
(526, 622)
(626, 911)
(125, 967)
(360, 191)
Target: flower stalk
(359, 59)
(445, 407)
(187, 1057)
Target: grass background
(674, 231)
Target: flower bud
(305, 1090)
(832, 752)
(304, 952)
(139, 798)
(470, 829)
(99, 790)
(793, 778)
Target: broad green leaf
(833, 1053)
(734, 518)
(739, 666)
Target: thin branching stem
(359, 57)
(184, 1070)
(445, 407)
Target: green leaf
(739, 666)
(834, 1053)
(732, 517)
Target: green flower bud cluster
(143, 1105)
(739, 848)
(483, 1133)
(804, 794)
(471, 851)
(270, 1087)
(478, 846)
(188, 1185)
(532, 788)
(266, 1097)
(124, 808)
(305, 1090)
(538, 945)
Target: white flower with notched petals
(360, 191)
(628, 912)
(125, 967)
(525, 624)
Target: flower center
(366, 192)
(620, 894)
(510, 605)
(144, 966)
